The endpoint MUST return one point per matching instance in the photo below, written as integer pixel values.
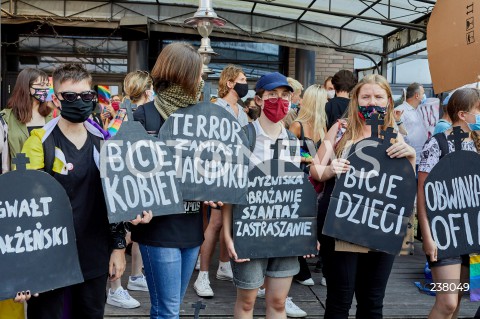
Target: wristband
(399, 123)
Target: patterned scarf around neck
(171, 99)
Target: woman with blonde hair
(138, 87)
(349, 273)
(169, 244)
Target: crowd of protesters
(165, 249)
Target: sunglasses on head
(86, 96)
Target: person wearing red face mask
(273, 95)
(111, 111)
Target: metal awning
(372, 27)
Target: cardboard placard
(281, 218)
(138, 173)
(452, 198)
(371, 204)
(211, 153)
(453, 34)
(38, 250)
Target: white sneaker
(323, 282)
(293, 310)
(308, 282)
(139, 284)
(261, 293)
(224, 271)
(122, 299)
(197, 264)
(202, 285)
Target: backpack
(153, 121)
(252, 138)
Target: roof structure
(371, 28)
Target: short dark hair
(74, 72)
(412, 89)
(344, 81)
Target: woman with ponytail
(464, 110)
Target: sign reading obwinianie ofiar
(38, 251)
(138, 173)
(211, 153)
(452, 199)
(280, 219)
(371, 204)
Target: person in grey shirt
(233, 86)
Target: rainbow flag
(50, 88)
(117, 122)
(474, 277)
(103, 92)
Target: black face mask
(241, 89)
(76, 112)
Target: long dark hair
(21, 101)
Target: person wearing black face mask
(74, 144)
(26, 110)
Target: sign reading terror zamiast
(38, 251)
(209, 147)
(138, 173)
(280, 219)
(452, 199)
(371, 203)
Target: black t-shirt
(335, 109)
(174, 231)
(84, 188)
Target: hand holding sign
(36, 224)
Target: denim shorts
(464, 260)
(251, 274)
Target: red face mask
(116, 105)
(275, 112)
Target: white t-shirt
(263, 150)
(417, 133)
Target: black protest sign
(280, 219)
(371, 204)
(452, 199)
(138, 173)
(38, 251)
(211, 153)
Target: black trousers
(304, 272)
(362, 274)
(88, 301)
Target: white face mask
(330, 94)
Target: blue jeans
(163, 269)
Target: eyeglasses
(86, 96)
(273, 97)
(44, 84)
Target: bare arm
(429, 246)
(227, 211)
(325, 165)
